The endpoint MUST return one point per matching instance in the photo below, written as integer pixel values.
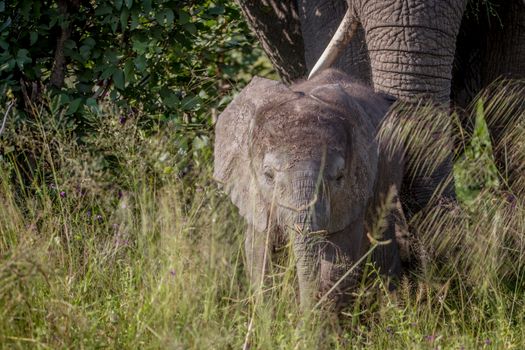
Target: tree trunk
(277, 26)
(59, 65)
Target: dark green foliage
(175, 60)
(161, 65)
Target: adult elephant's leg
(319, 21)
(411, 45)
(505, 58)
(491, 45)
(504, 111)
(466, 70)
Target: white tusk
(339, 41)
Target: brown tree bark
(276, 24)
(59, 65)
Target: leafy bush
(173, 59)
(161, 65)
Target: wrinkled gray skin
(305, 158)
(407, 49)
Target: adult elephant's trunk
(411, 45)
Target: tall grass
(112, 242)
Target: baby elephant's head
(311, 161)
(302, 161)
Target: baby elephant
(304, 166)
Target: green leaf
(217, 10)
(103, 10)
(25, 8)
(22, 58)
(165, 17)
(190, 27)
(124, 16)
(73, 106)
(70, 44)
(63, 99)
(190, 102)
(118, 4)
(6, 24)
(33, 37)
(107, 72)
(36, 8)
(4, 66)
(91, 102)
(480, 111)
(129, 3)
(87, 76)
(129, 69)
(84, 51)
(89, 42)
(134, 21)
(114, 24)
(140, 44)
(2, 6)
(4, 44)
(141, 63)
(147, 5)
(184, 17)
(118, 79)
(111, 56)
(169, 98)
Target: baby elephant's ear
(233, 168)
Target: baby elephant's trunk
(324, 267)
(322, 257)
(312, 210)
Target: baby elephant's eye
(269, 174)
(339, 176)
(338, 171)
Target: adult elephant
(403, 48)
